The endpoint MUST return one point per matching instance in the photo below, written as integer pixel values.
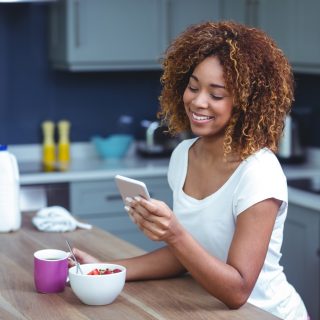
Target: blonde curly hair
(256, 73)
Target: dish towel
(57, 219)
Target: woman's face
(207, 102)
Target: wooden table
(180, 298)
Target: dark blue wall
(31, 91)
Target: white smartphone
(131, 188)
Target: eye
(192, 89)
(214, 97)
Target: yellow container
(64, 144)
(48, 148)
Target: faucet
(153, 126)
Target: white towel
(57, 219)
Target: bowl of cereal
(99, 283)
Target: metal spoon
(74, 258)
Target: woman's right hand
(82, 257)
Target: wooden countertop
(179, 298)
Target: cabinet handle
(77, 23)
(251, 15)
(113, 197)
(116, 197)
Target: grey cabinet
(293, 24)
(92, 35)
(99, 203)
(182, 13)
(301, 255)
(107, 34)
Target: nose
(200, 100)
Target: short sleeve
(178, 163)
(171, 168)
(261, 179)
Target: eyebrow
(214, 85)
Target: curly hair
(256, 73)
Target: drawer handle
(113, 197)
(116, 197)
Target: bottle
(64, 144)
(48, 147)
(10, 215)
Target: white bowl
(97, 289)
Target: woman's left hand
(154, 218)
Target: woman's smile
(201, 119)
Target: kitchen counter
(86, 166)
(93, 169)
(179, 298)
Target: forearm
(221, 280)
(157, 264)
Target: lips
(201, 118)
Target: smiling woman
(232, 87)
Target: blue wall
(31, 91)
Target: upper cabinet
(107, 34)
(182, 13)
(91, 35)
(293, 24)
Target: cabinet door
(293, 24)
(301, 255)
(183, 13)
(113, 34)
(236, 11)
(99, 203)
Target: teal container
(115, 146)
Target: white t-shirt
(211, 221)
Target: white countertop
(94, 169)
(87, 166)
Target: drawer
(116, 223)
(95, 197)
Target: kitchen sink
(309, 184)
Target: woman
(232, 87)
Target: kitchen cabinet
(107, 35)
(183, 13)
(291, 23)
(99, 203)
(300, 257)
(91, 35)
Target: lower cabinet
(301, 255)
(99, 203)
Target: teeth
(201, 118)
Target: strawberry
(107, 271)
(94, 272)
(116, 270)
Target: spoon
(74, 258)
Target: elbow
(235, 300)
(236, 304)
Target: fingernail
(137, 198)
(128, 199)
(127, 208)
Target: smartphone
(131, 188)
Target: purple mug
(50, 270)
